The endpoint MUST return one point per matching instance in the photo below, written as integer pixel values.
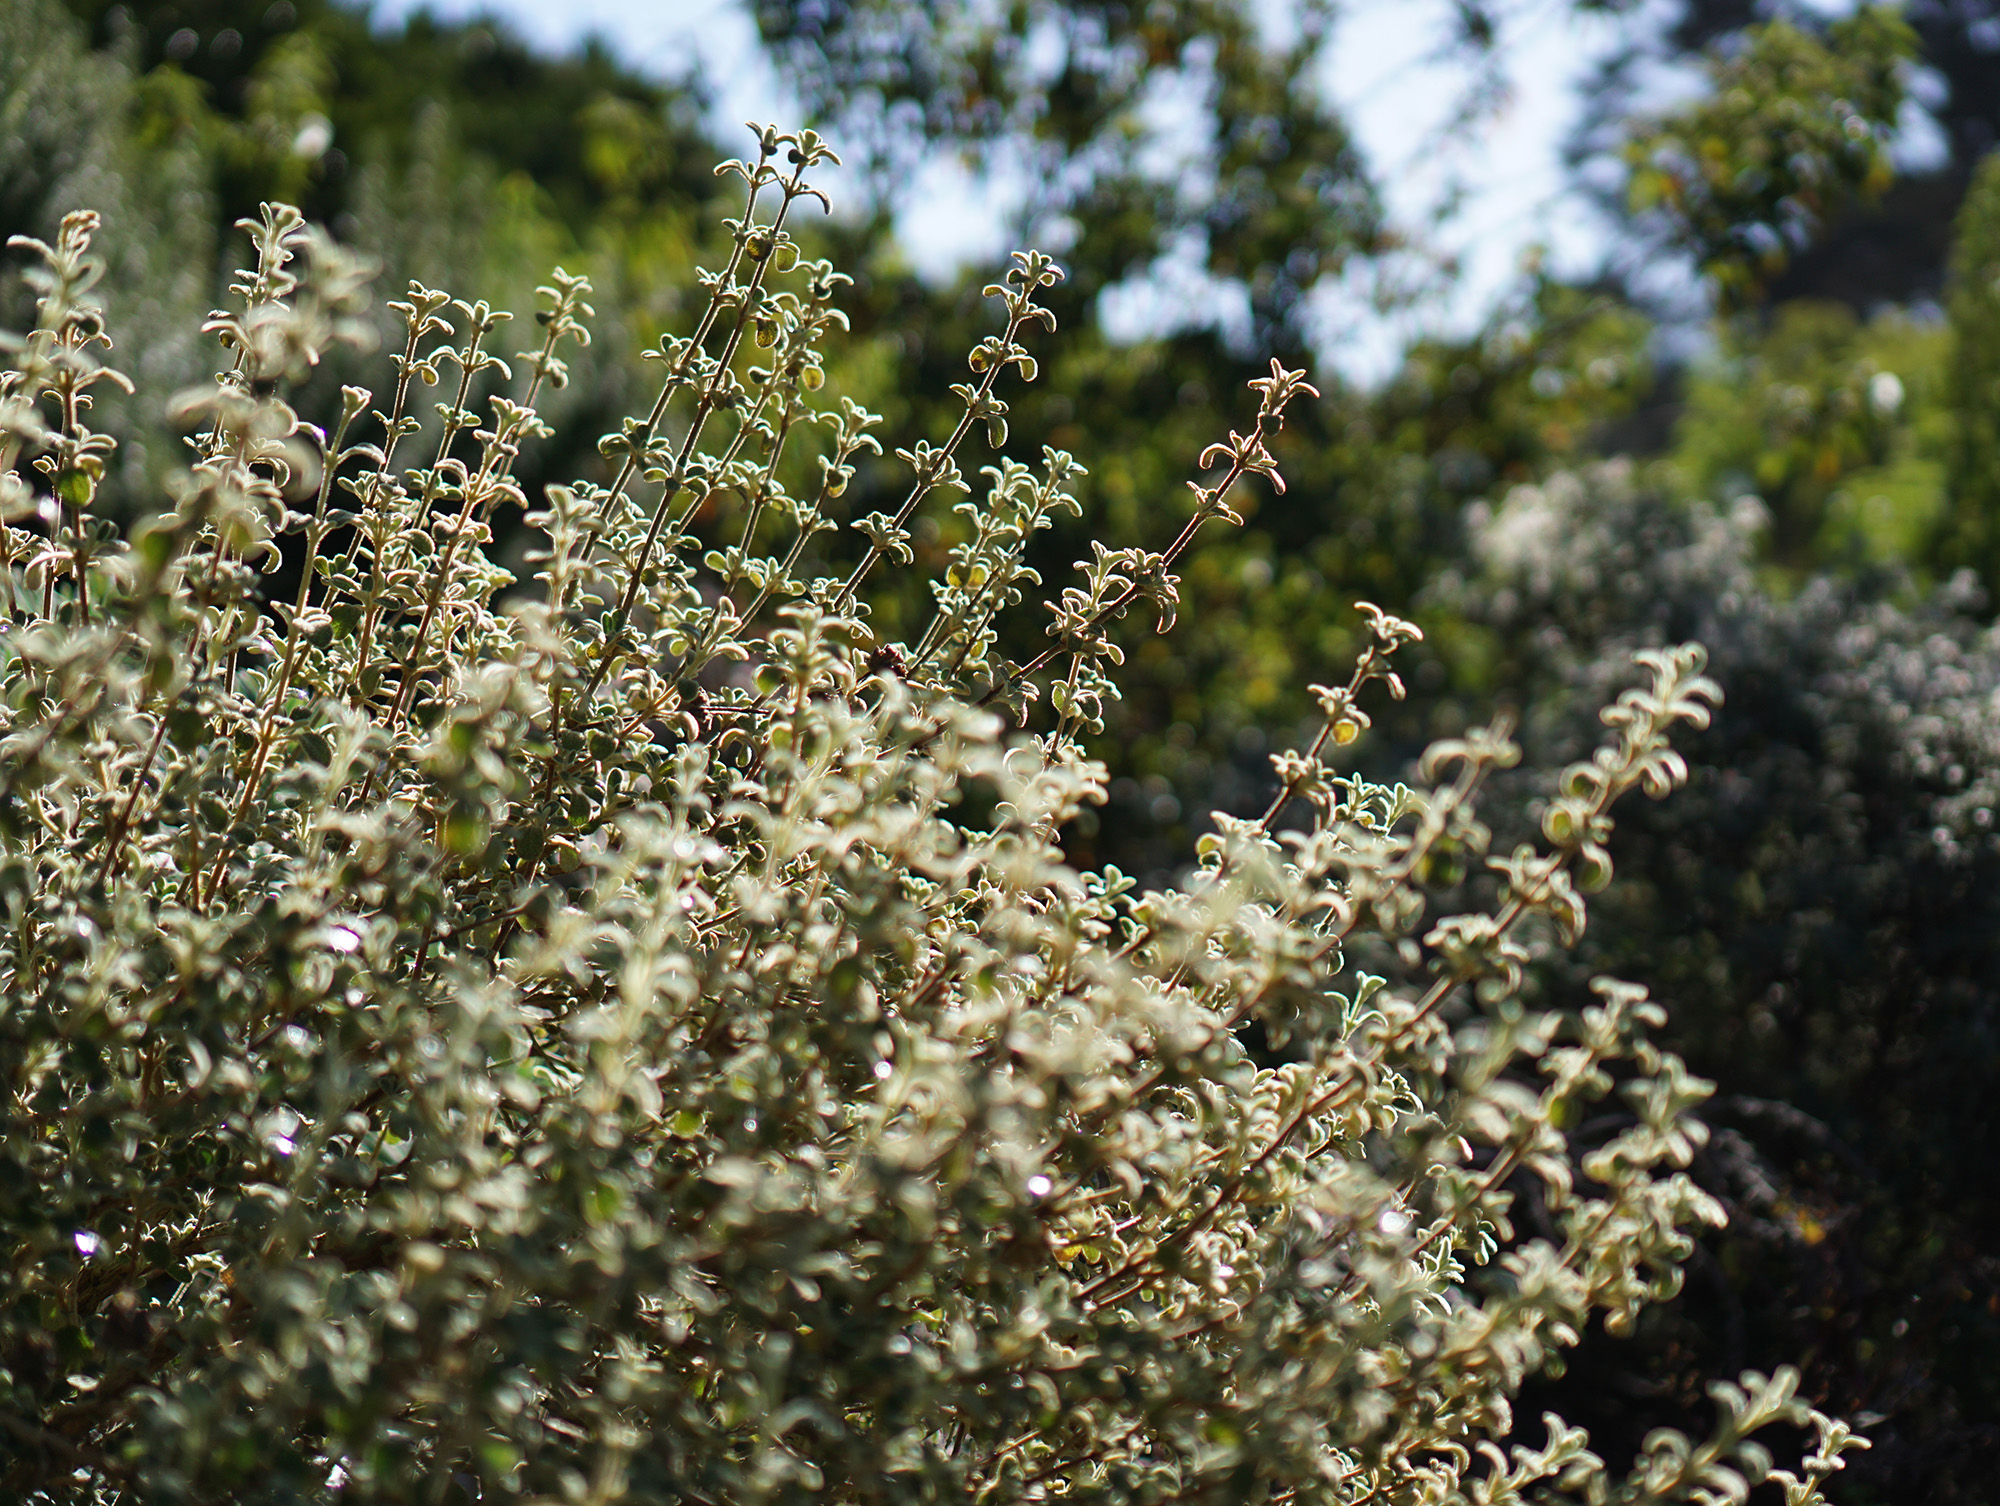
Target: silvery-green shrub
(633, 1034)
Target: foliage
(61, 143)
(305, 97)
(1821, 902)
(643, 1038)
(1894, 249)
(1381, 483)
(1840, 429)
(1970, 534)
(1793, 129)
(448, 153)
(1184, 132)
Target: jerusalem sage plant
(638, 1036)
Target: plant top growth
(634, 1034)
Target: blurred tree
(1892, 250)
(450, 152)
(301, 93)
(1838, 427)
(1792, 130)
(1970, 534)
(1186, 130)
(63, 142)
(1896, 251)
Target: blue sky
(1383, 70)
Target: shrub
(637, 1036)
(1824, 901)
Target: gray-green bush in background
(1822, 903)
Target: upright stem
(676, 378)
(926, 482)
(703, 411)
(294, 643)
(468, 367)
